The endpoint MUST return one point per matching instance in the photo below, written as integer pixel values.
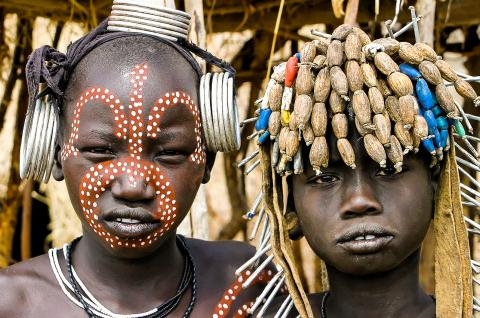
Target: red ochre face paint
(139, 172)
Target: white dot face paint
(132, 129)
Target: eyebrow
(101, 134)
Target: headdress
(49, 70)
(397, 93)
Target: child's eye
(100, 151)
(171, 156)
(388, 171)
(324, 179)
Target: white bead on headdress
(158, 18)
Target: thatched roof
(230, 15)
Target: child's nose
(360, 199)
(132, 188)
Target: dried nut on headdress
(303, 109)
(369, 75)
(465, 89)
(319, 119)
(354, 75)
(376, 100)
(304, 82)
(274, 124)
(279, 73)
(293, 123)
(346, 152)
(293, 144)
(319, 154)
(395, 153)
(363, 130)
(322, 85)
(385, 63)
(430, 72)
(353, 47)
(409, 53)
(408, 110)
(361, 107)
(319, 61)
(364, 38)
(416, 143)
(308, 134)
(275, 97)
(391, 46)
(383, 87)
(340, 125)
(403, 136)
(400, 84)
(393, 108)
(339, 81)
(335, 56)
(336, 102)
(420, 127)
(426, 52)
(341, 32)
(321, 45)
(383, 128)
(282, 139)
(446, 70)
(445, 100)
(309, 51)
(375, 149)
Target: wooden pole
(26, 234)
(195, 223)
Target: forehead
(110, 66)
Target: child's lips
(366, 244)
(130, 222)
(365, 238)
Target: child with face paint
(131, 149)
(354, 164)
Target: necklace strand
(324, 304)
(95, 309)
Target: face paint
(224, 307)
(139, 172)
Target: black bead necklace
(188, 278)
(324, 304)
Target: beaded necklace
(95, 309)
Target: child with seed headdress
(131, 124)
(361, 146)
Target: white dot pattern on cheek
(138, 171)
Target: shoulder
(20, 283)
(224, 253)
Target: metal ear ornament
(219, 112)
(37, 149)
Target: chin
(364, 264)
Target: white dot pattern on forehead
(138, 172)
(171, 100)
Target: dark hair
(53, 69)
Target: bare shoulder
(21, 284)
(223, 253)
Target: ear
(57, 171)
(209, 166)
(293, 226)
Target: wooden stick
(26, 232)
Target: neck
(396, 293)
(129, 279)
